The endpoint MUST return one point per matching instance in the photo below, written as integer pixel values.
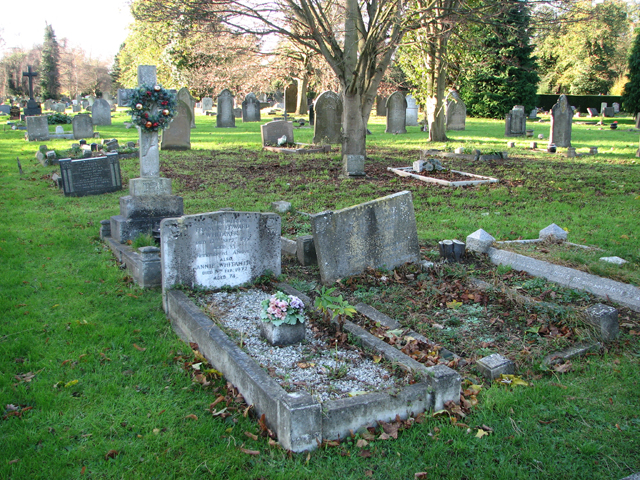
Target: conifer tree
(49, 66)
(631, 95)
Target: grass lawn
(95, 384)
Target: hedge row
(581, 102)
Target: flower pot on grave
(284, 334)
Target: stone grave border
(303, 148)
(143, 264)
(299, 421)
(408, 172)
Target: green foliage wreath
(141, 104)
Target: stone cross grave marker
(225, 117)
(456, 115)
(412, 112)
(178, 135)
(101, 112)
(91, 176)
(561, 118)
(396, 113)
(328, 118)
(32, 107)
(376, 234)
(250, 108)
(149, 199)
(219, 249)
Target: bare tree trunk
(436, 90)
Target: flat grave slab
(473, 179)
(300, 148)
(91, 176)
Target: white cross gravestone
(149, 199)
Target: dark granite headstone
(14, 112)
(91, 176)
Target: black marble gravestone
(91, 176)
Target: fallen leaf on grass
(564, 368)
(361, 443)
(249, 452)
(111, 454)
(368, 436)
(368, 473)
(71, 383)
(481, 433)
(454, 304)
(512, 380)
(420, 475)
(365, 454)
(15, 460)
(139, 348)
(251, 435)
(272, 443)
(192, 417)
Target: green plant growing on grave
(336, 306)
(144, 240)
(58, 119)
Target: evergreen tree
(49, 65)
(631, 95)
(500, 70)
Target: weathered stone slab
(184, 96)
(561, 119)
(37, 128)
(91, 176)
(412, 112)
(396, 113)
(101, 112)
(207, 104)
(618, 292)
(219, 248)
(82, 126)
(379, 233)
(275, 130)
(177, 136)
(225, 117)
(456, 112)
(605, 319)
(328, 118)
(493, 366)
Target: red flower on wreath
(155, 124)
(148, 93)
(146, 115)
(165, 102)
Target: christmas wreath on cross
(152, 107)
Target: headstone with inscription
(150, 199)
(219, 249)
(101, 112)
(561, 118)
(412, 111)
(275, 130)
(515, 122)
(37, 128)
(225, 117)
(177, 136)
(396, 113)
(91, 176)
(381, 233)
(251, 108)
(456, 115)
(185, 96)
(82, 126)
(609, 112)
(328, 118)
(291, 98)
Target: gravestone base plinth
(150, 186)
(142, 214)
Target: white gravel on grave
(240, 312)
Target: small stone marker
(91, 176)
(412, 112)
(219, 248)
(275, 130)
(207, 104)
(493, 366)
(177, 136)
(593, 150)
(396, 113)
(571, 152)
(456, 112)
(375, 234)
(480, 241)
(59, 130)
(561, 119)
(101, 112)
(328, 118)
(225, 117)
(533, 114)
(37, 128)
(251, 108)
(614, 260)
(605, 319)
(553, 233)
(281, 206)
